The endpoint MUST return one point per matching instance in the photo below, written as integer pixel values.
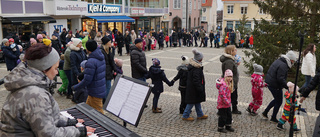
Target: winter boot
(156, 110)
(222, 130)
(280, 126)
(235, 110)
(249, 109)
(229, 128)
(265, 115)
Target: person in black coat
(56, 44)
(63, 38)
(138, 61)
(106, 50)
(185, 38)
(127, 41)
(11, 54)
(211, 36)
(174, 38)
(196, 36)
(119, 40)
(195, 93)
(180, 36)
(77, 55)
(305, 91)
(161, 39)
(157, 75)
(276, 79)
(183, 76)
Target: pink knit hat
(228, 73)
(39, 36)
(32, 40)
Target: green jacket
(84, 41)
(66, 65)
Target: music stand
(127, 99)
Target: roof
(207, 4)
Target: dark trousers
(211, 41)
(167, 43)
(149, 46)
(202, 42)
(156, 97)
(276, 102)
(120, 50)
(234, 99)
(225, 117)
(183, 96)
(127, 48)
(195, 42)
(68, 73)
(216, 45)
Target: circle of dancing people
(86, 64)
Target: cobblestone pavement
(169, 122)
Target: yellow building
(233, 11)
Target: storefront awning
(28, 20)
(101, 19)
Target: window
(244, 10)
(230, 9)
(195, 4)
(199, 4)
(204, 10)
(176, 4)
(229, 24)
(203, 1)
(261, 11)
(204, 18)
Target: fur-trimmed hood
(225, 56)
(73, 47)
(183, 67)
(195, 63)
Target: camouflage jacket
(29, 109)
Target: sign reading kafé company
(102, 8)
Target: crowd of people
(86, 64)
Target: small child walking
(286, 109)
(63, 88)
(118, 63)
(225, 87)
(257, 89)
(157, 75)
(183, 76)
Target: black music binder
(127, 98)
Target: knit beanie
(155, 62)
(291, 86)
(91, 45)
(118, 62)
(32, 40)
(138, 40)
(83, 63)
(45, 62)
(197, 54)
(258, 69)
(75, 41)
(185, 60)
(291, 55)
(105, 40)
(39, 36)
(46, 42)
(228, 73)
(5, 40)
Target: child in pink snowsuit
(257, 89)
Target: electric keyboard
(105, 127)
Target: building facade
(233, 11)
(138, 15)
(209, 15)
(184, 14)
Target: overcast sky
(220, 5)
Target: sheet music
(135, 100)
(119, 96)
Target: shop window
(230, 9)
(109, 2)
(93, 1)
(117, 1)
(230, 24)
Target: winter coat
(251, 40)
(161, 38)
(195, 84)
(67, 62)
(277, 74)
(77, 55)
(138, 62)
(30, 110)
(224, 98)
(237, 37)
(56, 45)
(94, 75)
(180, 35)
(182, 75)
(202, 34)
(127, 39)
(133, 37)
(98, 40)
(167, 38)
(211, 36)
(109, 61)
(119, 70)
(288, 104)
(174, 37)
(63, 37)
(84, 41)
(257, 83)
(228, 62)
(157, 75)
(312, 85)
(232, 36)
(11, 56)
(119, 40)
(226, 40)
(308, 66)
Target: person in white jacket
(308, 68)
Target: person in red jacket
(251, 41)
(167, 40)
(226, 40)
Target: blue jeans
(156, 99)
(108, 87)
(308, 79)
(276, 102)
(187, 111)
